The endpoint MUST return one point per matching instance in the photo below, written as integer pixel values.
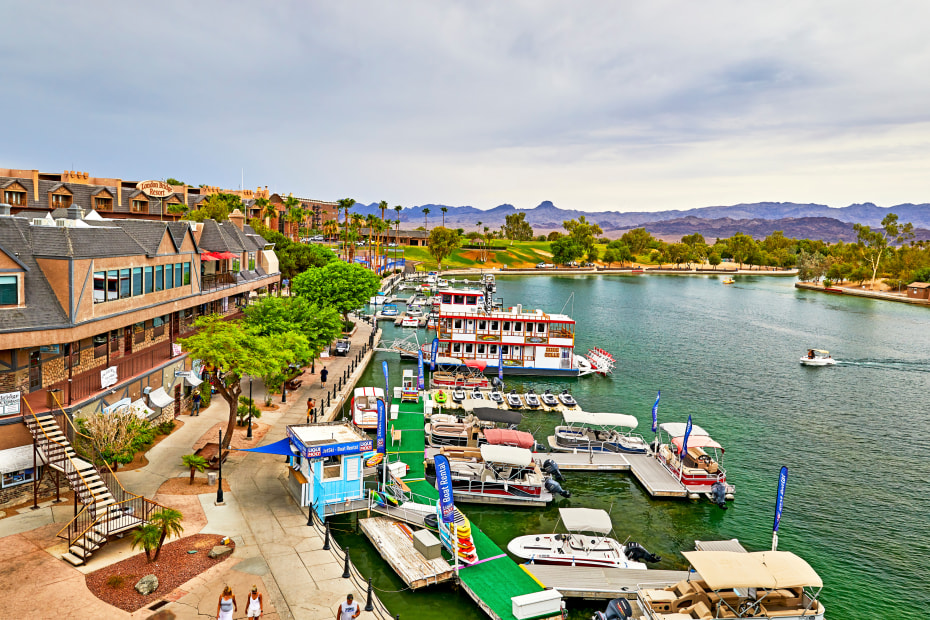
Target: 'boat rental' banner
(655, 412)
(780, 498)
(432, 355)
(500, 363)
(382, 427)
(387, 390)
(420, 369)
(684, 442)
(444, 486)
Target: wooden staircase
(106, 508)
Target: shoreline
(628, 271)
(856, 292)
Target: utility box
(427, 544)
(547, 602)
(398, 469)
(395, 409)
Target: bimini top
(724, 570)
(502, 416)
(476, 364)
(506, 455)
(586, 520)
(603, 420)
(820, 351)
(677, 429)
(508, 437)
(697, 441)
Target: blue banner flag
(655, 412)
(444, 486)
(382, 427)
(387, 390)
(780, 498)
(432, 355)
(684, 442)
(500, 363)
(420, 369)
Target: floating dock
(586, 461)
(593, 582)
(658, 481)
(720, 545)
(470, 403)
(393, 541)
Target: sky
(615, 105)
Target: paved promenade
(275, 548)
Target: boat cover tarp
(282, 446)
(505, 455)
(677, 429)
(724, 570)
(586, 520)
(508, 437)
(502, 416)
(602, 420)
(697, 441)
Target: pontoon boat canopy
(586, 520)
(607, 420)
(508, 437)
(505, 455)
(503, 416)
(445, 361)
(476, 364)
(697, 441)
(724, 570)
(677, 429)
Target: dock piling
(345, 572)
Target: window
(138, 333)
(493, 348)
(235, 265)
(112, 285)
(178, 274)
(100, 346)
(136, 281)
(457, 324)
(169, 276)
(481, 349)
(14, 198)
(187, 273)
(471, 300)
(100, 286)
(456, 347)
(518, 327)
(516, 351)
(446, 298)
(458, 299)
(61, 201)
(159, 278)
(140, 206)
(529, 327)
(505, 349)
(158, 326)
(103, 204)
(506, 326)
(9, 290)
(148, 280)
(482, 325)
(495, 326)
(469, 348)
(13, 478)
(541, 328)
(125, 284)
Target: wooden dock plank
(602, 583)
(397, 549)
(657, 480)
(586, 461)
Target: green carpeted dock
(483, 580)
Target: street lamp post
(248, 435)
(219, 486)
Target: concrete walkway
(275, 548)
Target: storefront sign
(108, 377)
(155, 189)
(175, 349)
(182, 373)
(9, 403)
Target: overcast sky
(630, 106)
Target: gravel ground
(115, 584)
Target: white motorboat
(549, 399)
(416, 311)
(817, 357)
(513, 400)
(567, 399)
(531, 400)
(585, 432)
(732, 584)
(389, 310)
(365, 406)
(586, 543)
(410, 321)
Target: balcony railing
(217, 280)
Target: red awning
(225, 255)
(205, 256)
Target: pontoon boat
(365, 406)
(597, 432)
(700, 472)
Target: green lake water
(855, 437)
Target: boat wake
(888, 364)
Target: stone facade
(12, 496)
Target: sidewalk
(275, 548)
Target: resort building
(91, 309)
(315, 213)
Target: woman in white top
(226, 605)
(255, 608)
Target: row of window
(101, 203)
(485, 349)
(9, 291)
(123, 283)
(496, 326)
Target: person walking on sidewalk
(195, 408)
(323, 374)
(255, 608)
(349, 610)
(226, 605)
(311, 405)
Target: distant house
(918, 290)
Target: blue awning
(282, 447)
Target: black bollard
(369, 604)
(310, 517)
(326, 538)
(345, 572)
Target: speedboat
(699, 468)
(389, 310)
(410, 321)
(549, 399)
(532, 401)
(587, 543)
(416, 311)
(817, 357)
(365, 406)
(567, 399)
(458, 395)
(733, 584)
(513, 400)
(496, 397)
(597, 432)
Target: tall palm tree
(168, 522)
(426, 218)
(262, 205)
(292, 212)
(370, 221)
(345, 204)
(397, 210)
(383, 205)
(382, 226)
(443, 209)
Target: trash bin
(211, 478)
(51, 394)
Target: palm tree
(443, 209)
(382, 227)
(426, 218)
(268, 210)
(330, 228)
(147, 537)
(292, 210)
(370, 221)
(168, 522)
(397, 210)
(345, 204)
(194, 462)
(383, 205)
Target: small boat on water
(698, 470)
(389, 310)
(587, 543)
(410, 321)
(567, 399)
(531, 400)
(732, 584)
(549, 399)
(365, 406)
(415, 311)
(585, 432)
(513, 400)
(496, 397)
(817, 357)
(728, 280)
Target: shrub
(166, 427)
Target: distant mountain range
(811, 221)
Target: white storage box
(397, 392)
(395, 409)
(398, 469)
(537, 604)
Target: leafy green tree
(441, 243)
(565, 249)
(342, 286)
(147, 537)
(921, 275)
(610, 256)
(168, 523)
(516, 228)
(714, 259)
(693, 240)
(233, 351)
(175, 182)
(216, 207)
(583, 233)
(873, 243)
(593, 254)
(637, 240)
(741, 247)
(678, 253)
(265, 209)
(194, 462)
(320, 325)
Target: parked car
(342, 347)
(571, 264)
(543, 265)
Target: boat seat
(782, 598)
(689, 601)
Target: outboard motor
(617, 609)
(496, 382)
(538, 447)
(550, 467)
(718, 494)
(635, 552)
(555, 488)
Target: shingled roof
(42, 306)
